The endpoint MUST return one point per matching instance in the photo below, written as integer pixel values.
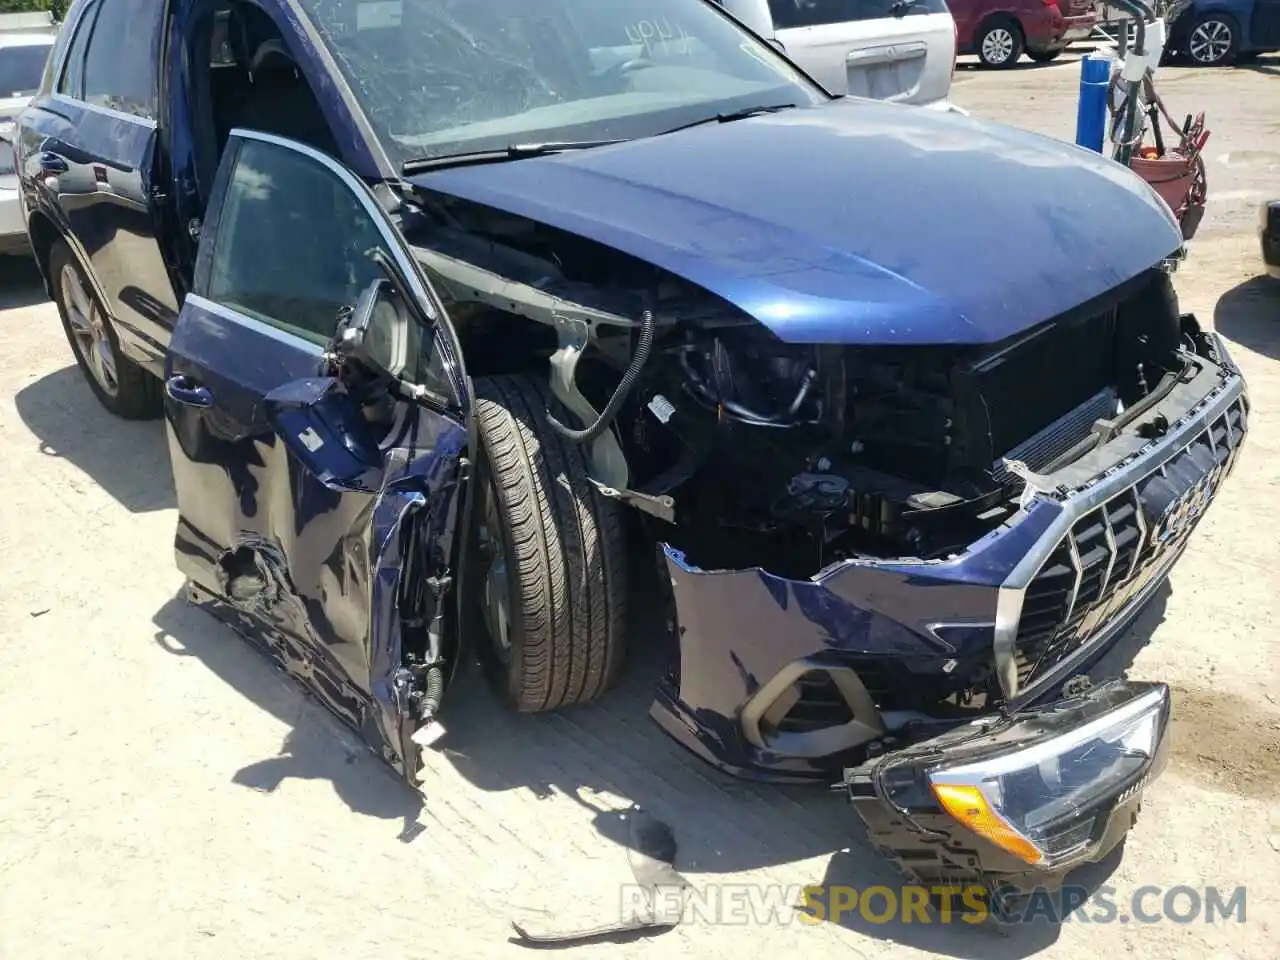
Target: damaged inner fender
(837, 522)
(794, 456)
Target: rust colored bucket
(1180, 181)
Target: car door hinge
(464, 469)
(159, 195)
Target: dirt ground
(163, 792)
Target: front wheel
(1213, 41)
(1000, 44)
(551, 570)
(120, 385)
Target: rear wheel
(551, 577)
(1000, 43)
(120, 385)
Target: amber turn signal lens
(969, 806)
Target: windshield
(21, 69)
(443, 77)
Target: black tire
(1212, 41)
(129, 391)
(1044, 56)
(563, 547)
(1000, 37)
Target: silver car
(902, 50)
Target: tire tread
(568, 551)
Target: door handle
(187, 391)
(50, 162)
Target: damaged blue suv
(456, 308)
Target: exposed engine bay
(794, 456)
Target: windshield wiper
(732, 116)
(513, 151)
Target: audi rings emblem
(1181, 515)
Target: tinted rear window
(820, 13)
(21, 69)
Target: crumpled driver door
(319, 504)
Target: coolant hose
(625, 386)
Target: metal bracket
(663, 507)
(1034, 482)
(608, 462)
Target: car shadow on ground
(722, 825)
(317, 746)
(1249, 314)
(1270, 66)
(20, 283)
(128, 459)
(969, 63)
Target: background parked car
(902, 50)
(25, 41)
(1210, 33)
(1000, 31)
(1269, 234)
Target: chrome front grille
(1112, 553)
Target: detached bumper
(1269, 234)
(780, 679)
(1015, 804)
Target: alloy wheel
(497, 595)
(1210, 42)
(997, 45)
(89, 330)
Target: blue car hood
(856, 222)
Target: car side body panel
(1258, 22)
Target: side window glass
(293, 243)
(820, 13)
(119, 70)
(71, 82)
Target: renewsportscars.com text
(774, 904)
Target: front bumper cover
(908, 823)
(778, 679)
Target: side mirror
(381, 338)
(322, 426)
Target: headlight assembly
(1038, 785)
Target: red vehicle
(1000, 31)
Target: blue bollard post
(1091, 113)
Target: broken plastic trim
(651, 853)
